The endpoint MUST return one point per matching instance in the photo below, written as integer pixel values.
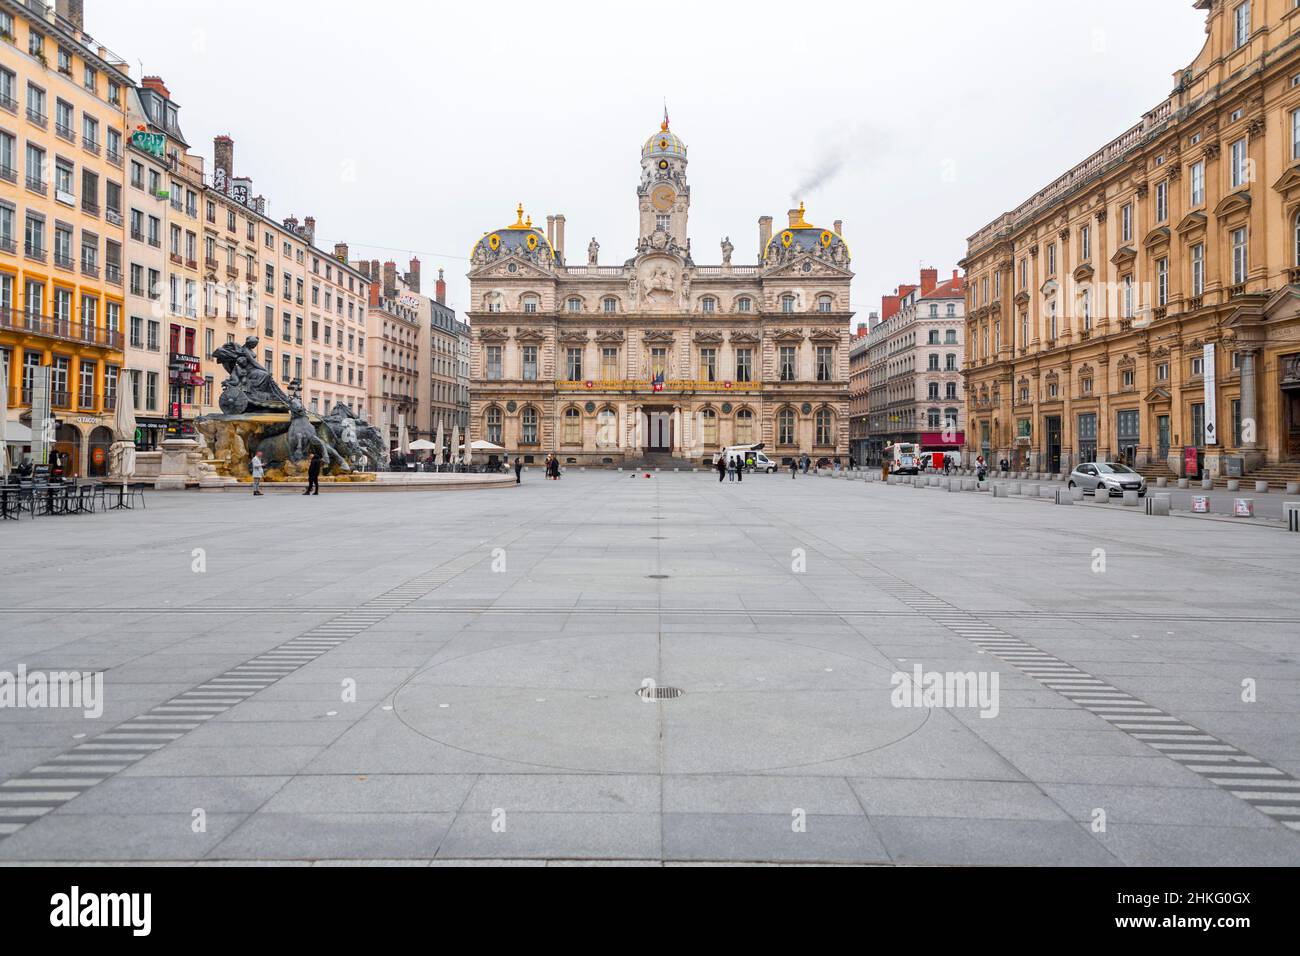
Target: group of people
(552, 467)
(731, 467)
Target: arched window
(574, 304)
(709, 427)
(492, 425)
(824, 303)
(744, 304)
(609, 304)
(932, 418)
(787, 303)
(572, 426)
(528, 423)
(708, 304)
(529, 303)
(606, 429)
(744, 427)
(785, 426)
(950, 418)
(825, 431)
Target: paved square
(453, 676)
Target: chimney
(764, 234)
(74, 11)
(441, 289)
(223, 161)
(954, 277)
(839, 227)
(291, 224)
(390, 280)
(550, 230)
(559, 237)
(309, 230)
(155, 83)
(413, 277)
(259, 204)
(796, 217)
(889, 305)
(373, 272)
(862, 329)
(341, 251)
(929, 280)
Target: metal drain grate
(659, 693)
(658, 577)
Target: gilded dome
(663, 143)
(803, 236)
(522, 237)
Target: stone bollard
(1158, 505)
(969, 484)
(1261, 487)
(1243, 507)
(918, 482)
(1291, 514)
(1130, 499)
(954, 484)
(1182, 482)
(1293, 487)
(1029, 491)
(1100, 496)
(1047, 492)
(1234, 484)
(1077, 492)
(1000, 491)
(1207, 484)
(1013, 488)
(1065, 496)
(1162, 482)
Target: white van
(746, 453)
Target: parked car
(1109, 476)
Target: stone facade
(659, 356)
(1145, 302)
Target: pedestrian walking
(519, 470)
(794, 468)
(721, 465)
(258, 470)
(807, 463)
(313, 475)
(740, 469)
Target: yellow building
(62, 126)
(1145, 302)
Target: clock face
(663, 198)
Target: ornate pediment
(1236, 203)
(708, 337)
(657, 337)
(1289, 182)
(1157, 395)
(824, 335)
(805, 266)
(1160, 352)
(1156, 237)
(530, 335)
(1123, 255)
(1083, 273)
(574, 336)
(1126, 361)
(1022, 297)
(1085, 370)
(492, 335)
(1049, 287)
(788, 335)
(609, 336)
(512, 267)
(744, 337)
(1191, 223)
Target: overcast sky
(413, 128)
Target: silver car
(1108, 476)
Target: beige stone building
(1144, 303)
(657, 357)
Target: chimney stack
(559, 237)
(390, 279)
(259, 204)
(156, 83)
(223, 161)
(796, 217)
(413, 277)
(441, 289)
(862, 329)
(550, 230)
(929, 280)
(74, 11)
(764, 234)
(839, 227)
(309, 230)
(341, 251)
(954, 277)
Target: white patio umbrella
(455, 443)
(4, 418)
(440, 443)
(422, 444)
(124, 427)
(403, 439)
(469, 448)
(482, 444)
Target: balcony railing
(8, 174)
(63, 261)
(37, 185)
(60, 328)
(39, 118)
(65, 132)
(113, 273)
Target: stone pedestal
(177, 469)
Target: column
(1250, 409)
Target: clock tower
(663, 196)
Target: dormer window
(744, 304)
(708, 305)
(825, 303)
(574, 304)
(529, 304)
(787, 303)
(610, 304)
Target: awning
(16, 433)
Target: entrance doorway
(1162, 437)
(1053, 434)
(658, 430)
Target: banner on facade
(155, 144)
(1211, 430)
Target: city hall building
(1145, 306)
(657, 357)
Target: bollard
(1291, 511)
(969, 484)
(1101, 496)
(1013, 488)
(1243, 507)
(1182, 482)
(1261, 487)
(1158, 505)
(1130, 499)
(1046, 492)
(1207, 484)
(999, 491)
(1293, 487)
(1029, 491)
(1077, 492)
(919, 482)
(1065, 496)
(954, 484)
(1234, 484)
(1162, 482)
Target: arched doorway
(101, 440)
(67, 445)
